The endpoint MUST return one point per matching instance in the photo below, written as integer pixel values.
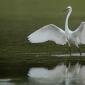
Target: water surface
(59, 75)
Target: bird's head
(69, 8)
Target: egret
(52, 32)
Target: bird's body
(72, 40)
(52, 32)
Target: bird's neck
(66, 22)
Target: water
(14, 81)
(59, 75)
(73, 54)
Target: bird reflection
(60, 75)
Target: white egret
(52, 32)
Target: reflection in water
(73, 54)
(82, 74)
(43, 75)
(19, 81)
(6, 82)
(60, 75)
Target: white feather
(82, 33)
(49, 32)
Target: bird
(54, 33)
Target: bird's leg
(70, 50)
(80, 51)
(66, 49)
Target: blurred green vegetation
(19, 18)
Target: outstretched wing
(49, 32)
(80, 32)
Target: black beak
(65, 10)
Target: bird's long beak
(65, 10)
